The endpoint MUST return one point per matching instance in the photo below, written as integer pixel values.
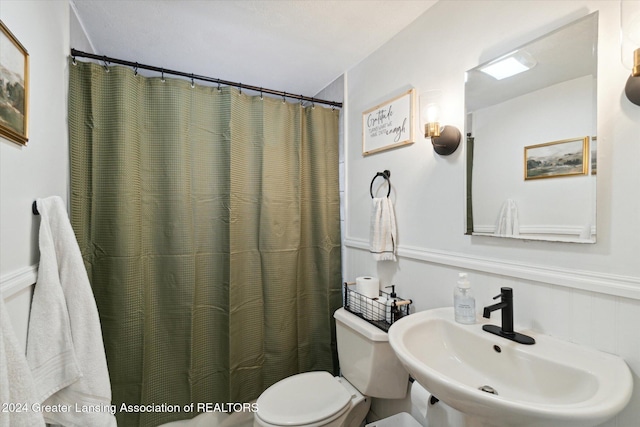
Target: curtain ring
(106, 67)
(192, 82)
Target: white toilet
(369, 367)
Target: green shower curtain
(209, 223)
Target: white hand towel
(508, 224)
(64, 344)
(16, 382)
(382, 233)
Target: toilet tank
(366, 358)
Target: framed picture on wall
(14, 88)
(389, 124)
(558, 158)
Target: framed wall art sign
(390, 124)
(14, 88)
(558, 158)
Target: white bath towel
(507, 224)
(17, 391)
(64, 345)
(382, 232)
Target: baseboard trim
(14, 282)
(610, 284)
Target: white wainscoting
(610, 284)
(14, 282)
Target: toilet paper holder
(381, 312)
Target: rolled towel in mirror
(507, 224)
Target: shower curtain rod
(135, 65)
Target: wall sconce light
(445, 139)
(632, 88)
(630, 46)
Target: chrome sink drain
(488, 389)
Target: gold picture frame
(566, 157)
(14, 88)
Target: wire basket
(380, 312)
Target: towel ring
(386, 174)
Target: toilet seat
(311, 398)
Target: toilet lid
(303, 399)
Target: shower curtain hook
(284, 94)
(162, 76)
(73, 60)
(192, 82)
(313, 104)
(135, 70)
(261, 98)
(219, 85)
(240, 88)
(106, 67)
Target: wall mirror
(531, 150)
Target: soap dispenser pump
(464, 303)
(393, 291)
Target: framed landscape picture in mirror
(557, 158)
(14, 88)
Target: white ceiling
(296, 46)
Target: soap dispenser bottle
(464, 303)
(391, 309)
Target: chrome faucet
(506, 331)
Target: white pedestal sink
(551, 383)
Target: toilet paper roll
(438, 414)
(387, 309)
(373, 309)
(368, 286)
(419, 401)
(383, 311)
